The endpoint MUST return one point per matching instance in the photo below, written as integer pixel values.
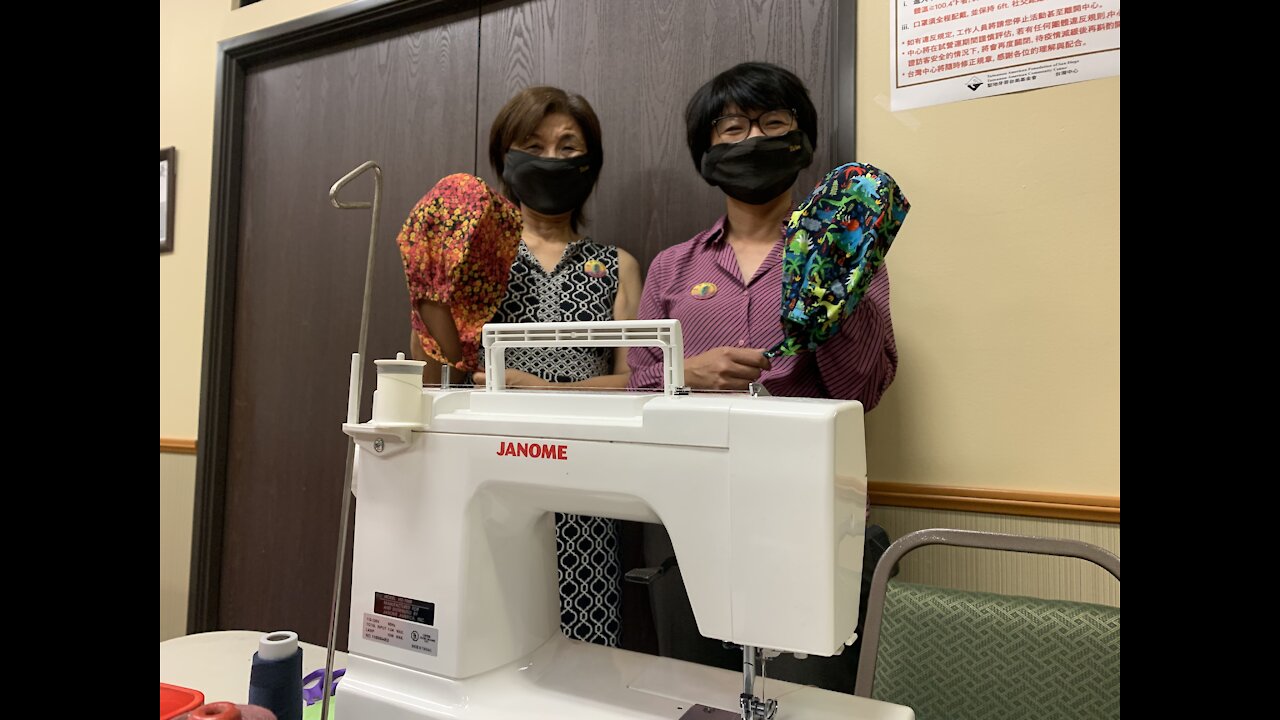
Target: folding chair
(960, 655)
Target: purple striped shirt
(857, 364)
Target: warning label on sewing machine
(400, 633)
(403, 608)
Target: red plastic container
(175, 700)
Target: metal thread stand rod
(353, 409)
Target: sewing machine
(454, 603)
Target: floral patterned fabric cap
(835, 241)
(457, 245)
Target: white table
(217, 663)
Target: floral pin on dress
(835, 241)
(457, 246)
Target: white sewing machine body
(455, 608)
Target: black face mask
(757, 169)
(552, 186)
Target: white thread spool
(398, 399)
(278, 645)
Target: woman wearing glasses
(545, 144)
(751, 130)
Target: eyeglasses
(735, 128)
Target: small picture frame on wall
(167, 176)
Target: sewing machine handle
(664, 334)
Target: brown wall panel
(407, 101)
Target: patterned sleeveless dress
(582, 287)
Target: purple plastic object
(311, 692)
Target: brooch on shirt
(594, 268)
(703, 290)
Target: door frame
(236, 57)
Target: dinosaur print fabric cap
(835, 241)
